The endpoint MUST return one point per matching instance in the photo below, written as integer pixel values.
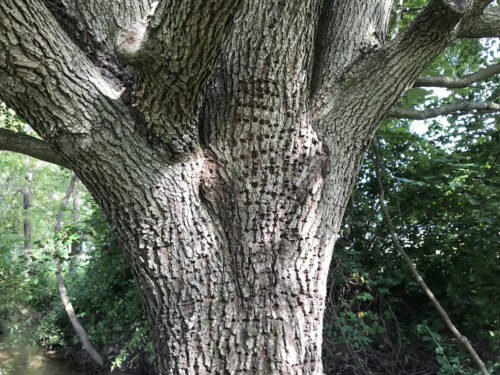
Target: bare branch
(412, 9)
(416, 274)
(27, 145)
(64, 203)
(446, 109)
(455, 83)
(63, 293)
(486, 26)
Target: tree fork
(229, 239)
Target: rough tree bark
(221, 140)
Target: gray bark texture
(221, 140)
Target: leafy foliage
(99, 281)
(442, 188)
(443, 195)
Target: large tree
(221, 139)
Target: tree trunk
(26, 219)
(76, 245)
(232, 284)
(222, 140)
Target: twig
(414, 271)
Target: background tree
(98, 281)
(221, 140)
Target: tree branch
(486, 26)
(63, 293)
(336, 44)
(416, 274)
(27, 145)
(455, 83)
(174, 50)
(92, 25)
(393, 68)
(48, 80)
(179, 40)
(445, 109)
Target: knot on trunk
(128, 42)
(457, 6)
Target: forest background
(442, 188)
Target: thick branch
(416, 274)
(455, 83)
(446, 109)
(338, 40)
(179, 40)
(174, 50)
(392, 69)
(47, 79)
(27, 145)
(92, 25)
(486, 26)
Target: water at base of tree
(28, 359)
(32, 360)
